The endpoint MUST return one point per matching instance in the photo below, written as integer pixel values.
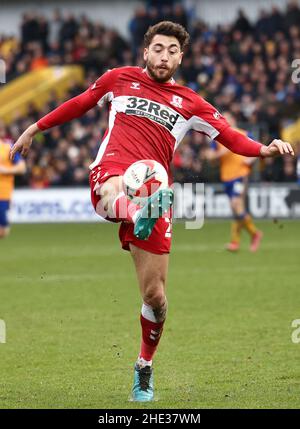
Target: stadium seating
(244, 67)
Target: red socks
(151, 333)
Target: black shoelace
(144, 377)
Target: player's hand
(277, 147)
(24, 142)
(22, 145)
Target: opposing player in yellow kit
(8, 170)
(235, 170)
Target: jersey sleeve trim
(199, 124)
(108, 97)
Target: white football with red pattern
(144, 178)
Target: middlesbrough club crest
(177, 101)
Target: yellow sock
(249, 225)
(236, 227)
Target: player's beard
(159, 74)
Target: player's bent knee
(108, 192)
(156, 298)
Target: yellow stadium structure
(36, 88)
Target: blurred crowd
(243, 67)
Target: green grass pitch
(69, 298)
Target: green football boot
(156, 206)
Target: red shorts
(159, 241)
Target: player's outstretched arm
(71, 109)
(243, 145)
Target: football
(144, 178)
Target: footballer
(235, 170)
(149, 114)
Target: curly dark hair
(168, 28)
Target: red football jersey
(148, 119)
